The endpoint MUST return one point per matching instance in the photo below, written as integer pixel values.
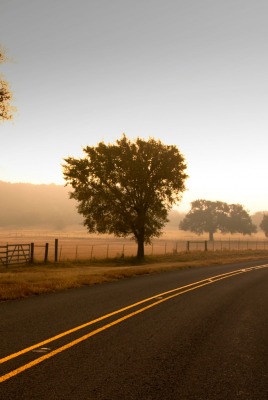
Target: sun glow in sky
(191, 73)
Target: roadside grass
(27, 280)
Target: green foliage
(6, 110)
(239, 221)
(127, 188)
(264, 224)
(5, 97)
(212, 216)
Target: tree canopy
(6, 110)
(212, 216)
(127, 188)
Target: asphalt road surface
(200, 333)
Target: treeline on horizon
(26, 205)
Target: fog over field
(29, 205)
(25, 205)
(190, 73)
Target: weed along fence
(75, 249)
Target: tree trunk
(140, 252)
(211, 237)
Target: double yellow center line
(153, 301)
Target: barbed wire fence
(67, 250)
(83, 248)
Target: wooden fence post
(7, 255)
(46, 253)
(32, 253)
(56, 250)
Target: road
(199, 333)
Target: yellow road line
(85, 337)
(188, 288)
(70, 331)
(77, 328)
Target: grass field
(27, 280)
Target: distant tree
(6, 110)
(264, 224)
(212, 216)
(127, 188)
(239, 221)
(257, 217)
(205, 216)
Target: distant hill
(28, 205)
(25, 205)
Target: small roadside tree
(212, 216)
(127, 188)
(6, 110)
(264, 224)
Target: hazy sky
(188, 72)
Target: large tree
(6, 109)
(127, 188)
(212, 216)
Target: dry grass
(23, 281)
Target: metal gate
(11, 254)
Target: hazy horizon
(190, 73)
(46, 206)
